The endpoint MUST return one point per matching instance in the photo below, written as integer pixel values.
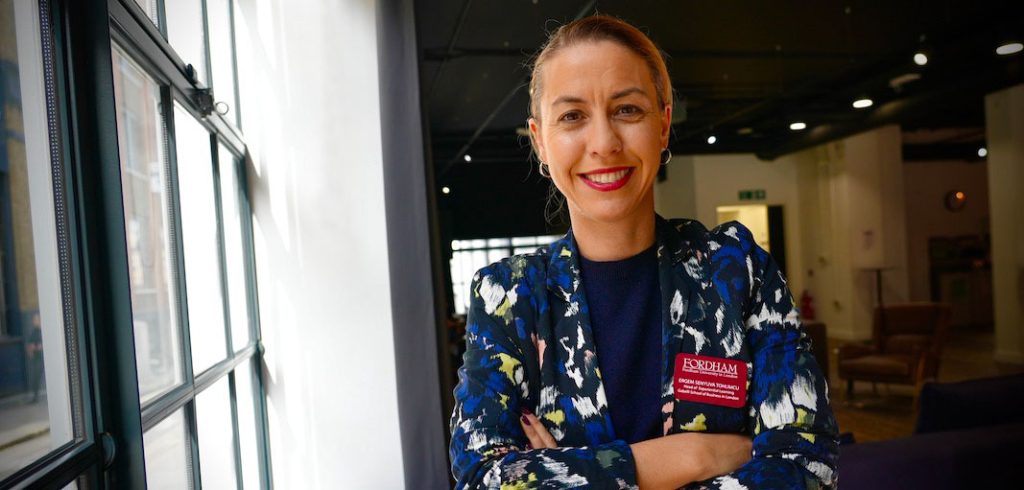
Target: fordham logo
(717, 367)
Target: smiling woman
(635, 351)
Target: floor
(889, 413)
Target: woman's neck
(606, 241)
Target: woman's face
(600, 131)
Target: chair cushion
(881, 365)
(906, 343)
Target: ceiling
(742, 70)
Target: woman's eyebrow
(628, 91)
(572, 99)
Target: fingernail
(525, 411)
(525, 419)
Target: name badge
(710, 380)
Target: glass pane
(496, 255)
(167, 454)
(247, 428)
(199, 236)
(524, 240)
(233, 251)
(151, 8)
(144, 184)
(35, 400)
(222, 61)
(216, 437)
(186, 35)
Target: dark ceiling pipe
(589, 7)
(899, 110)
(443, 54)
(448, 52)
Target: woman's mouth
(608, 179)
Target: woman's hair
(602, 28)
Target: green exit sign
(752, 195)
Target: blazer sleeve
(795, 435)
(488, 447)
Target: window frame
(107, 450)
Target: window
(40, 410)
(142, 252)
(468, 256)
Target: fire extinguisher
(807, 305)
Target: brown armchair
(905, 347)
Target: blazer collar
(682, 263)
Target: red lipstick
(607, 179)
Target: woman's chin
(610, 212)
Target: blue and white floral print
(529, 344)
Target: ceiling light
(982, 152)
(745, 131)
(467, 158)
(1009, 48)
(862, 103)
(446, 190)
(920, 58)
(712, 139)
(798, 126)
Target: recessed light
(446, 190)
(982, 152)
(712, 139)
(1009, 48)
(862, 103)
(467, 158)
(920, 58)
(798, 126)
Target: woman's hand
(679, 459)
(535, 431)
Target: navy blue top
(625, 315)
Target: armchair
(905, 348)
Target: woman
(634, 351)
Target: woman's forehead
(591, 68)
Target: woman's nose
(604, 139)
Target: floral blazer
(529, 344)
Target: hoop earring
(666, 155)
(543, 169)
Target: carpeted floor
(888, 413)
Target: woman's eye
(571, 116)
(629, 110)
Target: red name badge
(711, 380)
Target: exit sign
(752, 195)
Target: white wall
(697, 185)
(1004, 126)
(310, 105)
(843, 208)
(925, 186)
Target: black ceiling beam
(444, 54)
(587, 8)
(923, 104)
(451, 46)
(942, 151)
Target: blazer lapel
(574, 400)
(683, 277)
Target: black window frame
(107, 451)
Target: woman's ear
(666, 125)
(536, 140)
